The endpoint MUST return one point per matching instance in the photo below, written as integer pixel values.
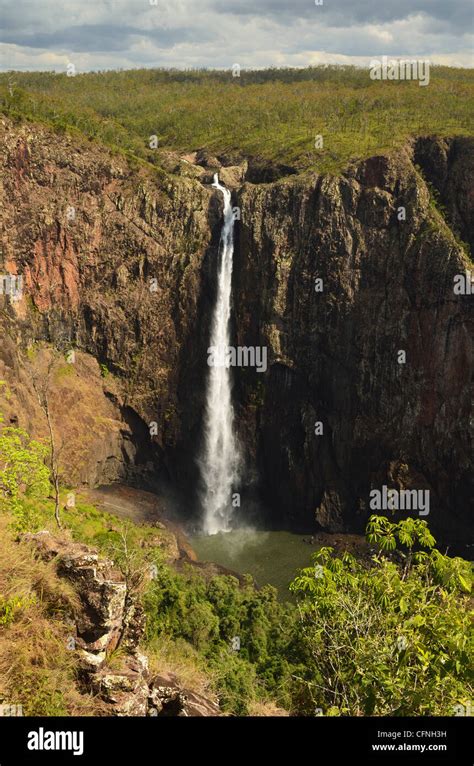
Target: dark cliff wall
(387, 286)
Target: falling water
(219, 462)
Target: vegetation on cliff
(273, 115)
(389, 638)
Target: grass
(37, 671)
(269, 115)
(179, 657)
(87, 524)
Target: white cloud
(101, 34)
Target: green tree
(390, 638)
(23, 474)
(41, 379)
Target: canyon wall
(119, 264)
(387, 260)
(113, 261)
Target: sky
(124, 34)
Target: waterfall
(220, 459)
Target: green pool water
(270, 557)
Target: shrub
(23, 475)
(392, 638)
(209, 615)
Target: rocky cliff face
(114, 263)
(386, 259)
(118, 262)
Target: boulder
(168, 698)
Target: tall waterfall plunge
(220, 459)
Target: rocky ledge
(108, 618)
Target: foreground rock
(168, 698)
(108, 619)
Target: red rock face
(20, 162)
(91, 235)
(113, 263)
(53, 277)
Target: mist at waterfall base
(220, 460)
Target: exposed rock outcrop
(107, 619)
(102, 622)
(168, 698)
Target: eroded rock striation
(386, 258)
(119, 262)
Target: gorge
(332, 355)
